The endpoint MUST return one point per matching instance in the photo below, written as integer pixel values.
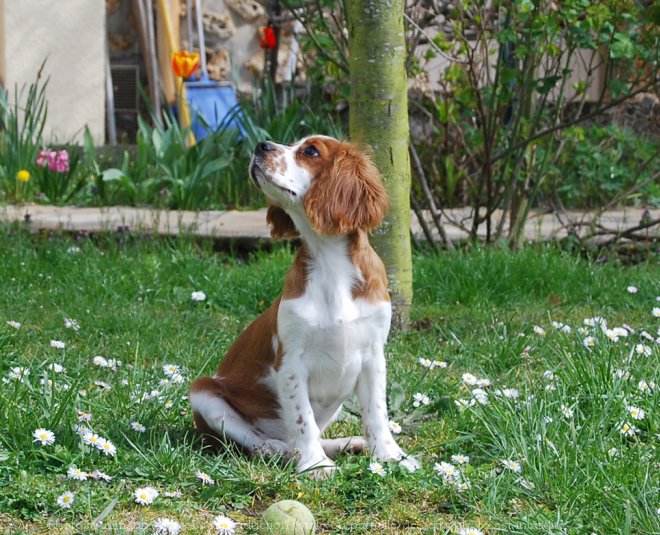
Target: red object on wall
(268, 40)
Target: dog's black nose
(264, 146)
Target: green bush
(599, 163)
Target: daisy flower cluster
(102, 444)
(476, 387)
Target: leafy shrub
(21, 127)
(600, 163)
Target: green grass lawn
(524, 429)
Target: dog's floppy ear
(349, 195)
(281, 225)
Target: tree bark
(379, 118)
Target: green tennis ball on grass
(288, 517)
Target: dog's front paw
(325, 472)
(317, 468)
(388, 452)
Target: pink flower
(55, 161)
(61, 162)
(45, 157)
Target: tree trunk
(379, 118)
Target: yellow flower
(23, 175)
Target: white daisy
(426, 363)
(97, 474)
(480, 396)
(636, 413)
(72, 324)
(420, 399)
(514, 466)
(589, 341)
(484, 382)
(621, 374)
(103, 385)
(98, 360)
(198, 296)
(19, 373)
(562, 327)
(566, 411)
(409, 464)
(656, 312)
(460, 458)
(632, 289)
(107, 447)
(511, 393)
(377, 469)
(14, 324)
(438, 364)
(76, 473)
(57, 344)
(463, 404)
(469, 379)
(178, 379)
(470, 531)
(92, 439)
(394, 427)
(65, 501)
(447, 470)
(170, 369)
(612, 335)
(166, 526)
(206, 479)
(145, 495)
(137, 426)
(645, 387)
(642, 349)
(539, 330)
(84, 416)
(612, 452)
(56, 368)
(596, 321)
(628, 430)
(224, 525)
(45, 436)
(463, 485)
(168, 404)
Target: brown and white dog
(284, 380)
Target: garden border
(251, 224)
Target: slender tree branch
(421, 176)
(577, 120)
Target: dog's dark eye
(311, 152)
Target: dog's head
(333, 184)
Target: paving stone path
(251, 225)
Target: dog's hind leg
(214, 416)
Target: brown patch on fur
(278, 355)
(296, 277)
(238, 380)
(347, 193)
(281, 225)
(373, 287)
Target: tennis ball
(288, 517)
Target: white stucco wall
(70, 36)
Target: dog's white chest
(333, 349)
